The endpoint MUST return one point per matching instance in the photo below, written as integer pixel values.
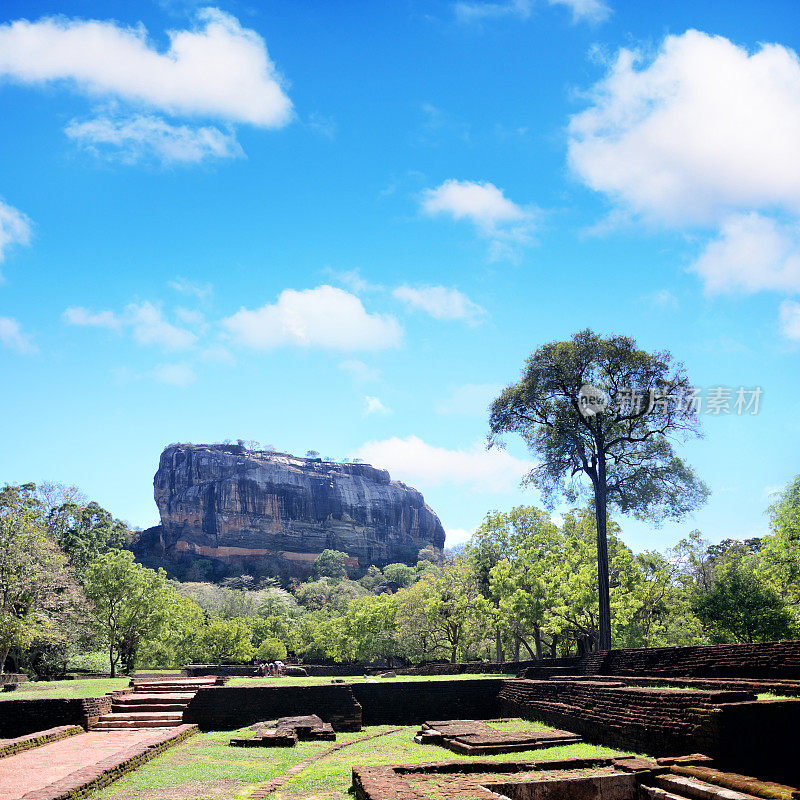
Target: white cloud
(752, 253)
(145, 321)
(77, 315)
(219, 354)
(456, 536)
(424, 465)
(144, 137)
(495, 217)
(149, 327)
(584, 10)
(322, 317)
(701, 129)
(15, 228)
(470, 400)
(373, 405)
(789, 319)
(360, 371)
(201, 291)
(477, 12)
(13, 337)
(440, 302)
(216, 69)
(175, 374)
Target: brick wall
(20, 717)
(762, 660)
(230, 707)
(499, 667)
(409, 703)
(654, 721)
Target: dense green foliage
(525, 586)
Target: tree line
(524, 587)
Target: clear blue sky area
(344, 226)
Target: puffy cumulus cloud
(506, 224)
(145, 321)
(703, 133)
(699, 129)
(144, 137)
(325, 317)
(216, 69)
(373, 405)
(469, 400)
(15, 228)
(14, 338)
(789, 318)
(584, 10)
(440, 302)
(422, 464)
(175, 374)
(752, 253)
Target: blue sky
(343, 227)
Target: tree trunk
(498, 645)
(601, 517)
(554, 646)
(453, 652)
(537, 637)
(516, 647)
(3, 656)
(112, 661)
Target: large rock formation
(273, 513)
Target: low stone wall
(230, 707)
(413, 702)
(762, 660)
(492, 667)
(204, 670)
(13, 677)
(659, 722)
(31, 740)
(21, 717)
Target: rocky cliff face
(264, 512)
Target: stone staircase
(155, 703)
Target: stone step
(174, 716)
(123, 708)
(108, 725)
(697, 789)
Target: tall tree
(131, 603)
(32, 569)
(601, 410)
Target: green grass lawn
(315, 680)
(85, 687)
(205, 767)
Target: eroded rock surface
(265, 512)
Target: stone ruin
(622, 778)
(472, 737)
(287, 731)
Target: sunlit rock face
(273, 513)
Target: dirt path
(272, 786)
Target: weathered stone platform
(475, 738)
(287, 731)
